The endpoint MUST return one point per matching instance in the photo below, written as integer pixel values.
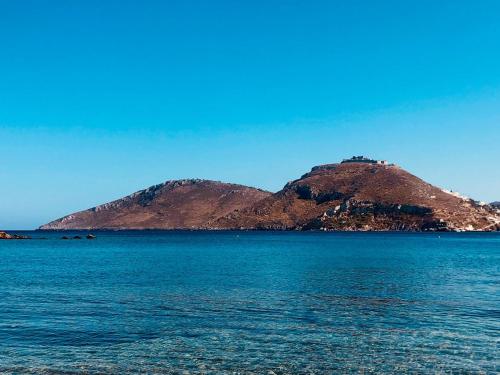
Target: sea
(187, 302)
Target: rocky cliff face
(361, 196)
(182, 204)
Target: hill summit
(363, 194)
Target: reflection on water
(250, 302)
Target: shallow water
(250, 302)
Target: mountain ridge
(356, 194)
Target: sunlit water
(250, 302)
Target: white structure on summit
(363, 159)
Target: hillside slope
(182, 204)
(362, 196)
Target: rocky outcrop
(7, 236)
(179, 204)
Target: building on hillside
(363, 159)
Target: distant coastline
(358, 194)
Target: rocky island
(358, 194)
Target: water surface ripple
(250, 302)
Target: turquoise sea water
(250, 302)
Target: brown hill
(182, 204)
(362, 196)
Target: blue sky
(100, 99)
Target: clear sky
(99, 99)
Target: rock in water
(5, 236)
(90, 236)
